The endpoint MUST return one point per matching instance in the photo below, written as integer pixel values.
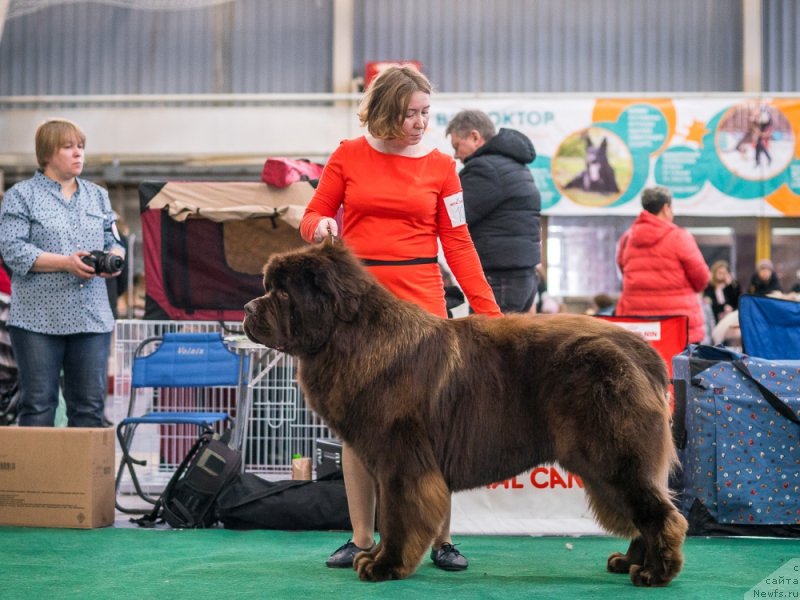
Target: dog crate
(279, 424)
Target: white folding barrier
(279, 424)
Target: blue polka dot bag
(739, 442)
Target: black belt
(369, 262)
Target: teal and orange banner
(720, 157)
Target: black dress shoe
(449, 558)
(344, 555)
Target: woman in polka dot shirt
(60, 318)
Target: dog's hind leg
(663, 530)
(605, 503)
(645, 513)
(621, 563)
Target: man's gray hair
(654, 199)
(467, 120)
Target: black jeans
(514, 290)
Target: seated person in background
(727, 331)
(764, 280)
(796, 287)
(602, 304)
(722, 291)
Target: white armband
(455, 209)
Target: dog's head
(596, 154)
(309, 293)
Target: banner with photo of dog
(719, 156)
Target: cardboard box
(57, 477)
(328, 457)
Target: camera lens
(113, 263)
(109, 263)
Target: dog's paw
(372, 567)
(618, 563)
(643, 576)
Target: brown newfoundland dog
(433, 405)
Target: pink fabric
(5, 281)
(662, 272)
(282, 172)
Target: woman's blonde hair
(386, 101)
(51, 134)
(718, 264)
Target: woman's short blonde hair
(383, 108)
(719, 264)
(51, 134)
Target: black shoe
(344, 555)
(449, 558)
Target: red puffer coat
(662, 272)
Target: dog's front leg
(412, 505)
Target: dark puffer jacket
(502, 203)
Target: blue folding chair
(770, 327)
(180, 360)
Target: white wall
(188, 133)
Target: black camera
(103, 262)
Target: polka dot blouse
(35, 218)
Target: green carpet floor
(120, 563)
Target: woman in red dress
(399, 199)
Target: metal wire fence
(279, 424)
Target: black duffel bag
(251, 502)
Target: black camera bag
(188, 500)
(251, 502)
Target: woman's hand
(49, 262)
(325, 228)
(77, 267)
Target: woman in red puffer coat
(662, 268)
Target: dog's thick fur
(433, 405)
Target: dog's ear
(339, 276)
(604, 145)
(343, 291)
(312, 321)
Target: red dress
(397, 208)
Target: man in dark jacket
(502, 205)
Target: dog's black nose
(250, 307)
